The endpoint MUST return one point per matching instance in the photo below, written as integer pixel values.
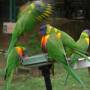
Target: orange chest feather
(44, 41)
(20, 51)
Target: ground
(28, 82)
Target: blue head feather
(43, 29)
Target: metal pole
(46, 73)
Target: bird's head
(44, 10)
(87, 31)
(39, 9)
(86, 34)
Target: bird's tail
(8, 81)
(71, 71)
(75, 59)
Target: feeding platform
(43, 59)
(36, 60)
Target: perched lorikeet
(13, 61)
(82, 42)
(34, 14)
(54, 46)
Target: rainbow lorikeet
(29, 18)
(55, 50)
(82, 42)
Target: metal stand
(46, 73)
(41, 61)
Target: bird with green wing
(55, 49)
(82, 42)
(33, 15)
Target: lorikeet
(54, 46)
(34, 13)
(13, 61)
(83, 42)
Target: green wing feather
(12, 63)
